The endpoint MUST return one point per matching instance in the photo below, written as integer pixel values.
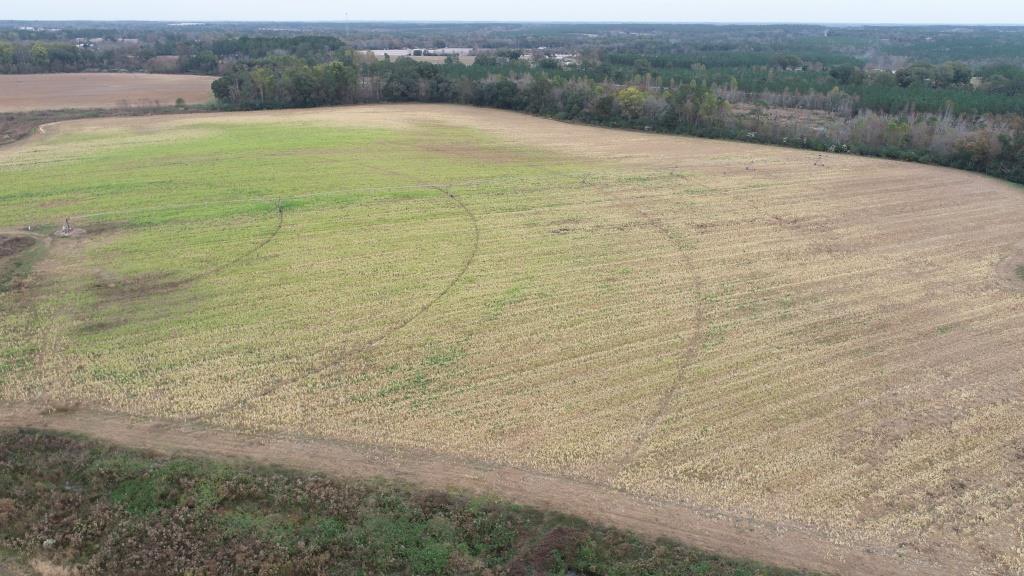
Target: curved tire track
(685, 357)
(451, 284)
(245, 255)
(366, 347)
(230, 263)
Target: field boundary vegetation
(991, 144)
(15, 126)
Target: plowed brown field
(23, 92)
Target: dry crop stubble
(736, 327)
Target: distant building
(431, 55)
(398, 53)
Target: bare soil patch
(12, 245)
(1011, 272)
(17, 255)
(24, 92)
(137, 287)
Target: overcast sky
(827, 11)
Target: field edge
(792, 547)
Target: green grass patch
(277, 529)
(184, 240)
(168, 485)
(507, 298)
(444, 356)
(415, 383)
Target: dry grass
(47, 568)
(23, 92)
(733, 326)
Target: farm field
(25, 92)
(817, 344)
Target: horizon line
(583, 22)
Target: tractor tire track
(685, 358)
(210, 272)
(245, 255)
(369, 345)
(451, 284)
(165, 287)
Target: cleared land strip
(791, 546)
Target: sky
(819, 11)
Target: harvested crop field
(24, 92)
(827, 347)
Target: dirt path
(791, 546)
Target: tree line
(192, 55)
(40, 57)
(710, 81)
(993, 144)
